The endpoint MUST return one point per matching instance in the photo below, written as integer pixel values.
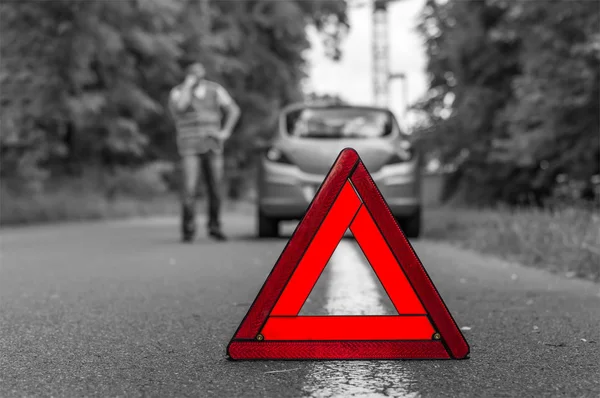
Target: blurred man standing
(196, 105)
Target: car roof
(317, 105)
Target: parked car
(309, 139)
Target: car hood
(316, 156)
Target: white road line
(353, 291)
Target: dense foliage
(513, 100)
(514, 96)
(84, 82)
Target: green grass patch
(78, 206)
(81, 200)
(565, 240)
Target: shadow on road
(255, 238)
(282, 237)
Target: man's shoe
(189, 232)
(217, 235)
(188, 225)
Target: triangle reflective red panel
(423, 328)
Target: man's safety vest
(201, 119)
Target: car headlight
(276, 155)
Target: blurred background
(502, 97)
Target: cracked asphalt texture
(123, 309)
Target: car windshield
(343, 122)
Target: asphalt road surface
(124, 309)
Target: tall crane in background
(382, 77)
(380, 52)
(380, 49)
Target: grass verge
(61, 207)
(69, 206)
(564, 241)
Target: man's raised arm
(181, 97)
(232, 111)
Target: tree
(512, 94)
(84, 82)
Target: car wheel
(267, 227)
(411, 225)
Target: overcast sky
(351, 77)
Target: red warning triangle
(423, 328)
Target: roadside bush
(94, 195)
(146, 182)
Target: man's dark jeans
(210, 165)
